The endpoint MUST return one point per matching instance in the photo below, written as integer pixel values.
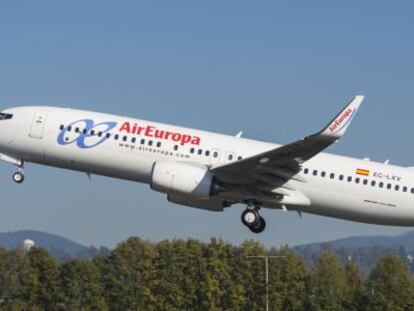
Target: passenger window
(239, 158)
(315, 173)
(85, 131)
(192, 150)
(332, 175)
(389, 186)
(323, 174)
(133, 140)
(349, 178)
(207, 153)
(124, 138)
(176, 147)
(306, 171)
(142, 141)
(412, 190)
(397, 187)
(365, 182)
(92, 132)
(69, 128)
(116, 136)
(150, 143)
(108, 135)
(159, 144)
(405, 189)
(200, 151)
(77, 130)
(230, 157)
(357, 180)
(5, 116)
(341, 177)
(381, 185)
(373, 183)
(61, 127)
(215, 154)
(100, 134)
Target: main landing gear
(18, 177)
(252, 219)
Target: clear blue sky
(276, 70)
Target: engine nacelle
(213, 204)
(182, 179)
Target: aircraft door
(38, 124)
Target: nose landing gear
(18, 177)
(252, 219)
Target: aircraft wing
(277, 166)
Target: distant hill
(365, 251)
(61, 248)
(406, 240)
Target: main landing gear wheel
(18, 177)
(252, 220)
(250, 217)
(259, 227)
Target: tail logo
(342, 121)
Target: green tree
(251, 275)
(172, 265)
(81, 286)
(220, 289)
(328, 288)
(40, 280)
(130, 276)
(288, 277)
(356, 284)
(11, 289)
(390, 286)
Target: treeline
(366, 257)
(191, 275)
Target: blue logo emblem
(86, 128)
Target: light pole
(266, 258)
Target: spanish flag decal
(363, 172)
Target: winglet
(339, 125)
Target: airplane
(212, 171)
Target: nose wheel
(252, 220)
(18, 177)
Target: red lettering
(196, 140)
(134, 128)
(167, 134)
(125, 127)
(176, 137)
(159, 134)
(149, 130)
(185, 139)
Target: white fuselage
(53, 137)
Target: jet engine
(182, 179)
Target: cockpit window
(5, 116)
